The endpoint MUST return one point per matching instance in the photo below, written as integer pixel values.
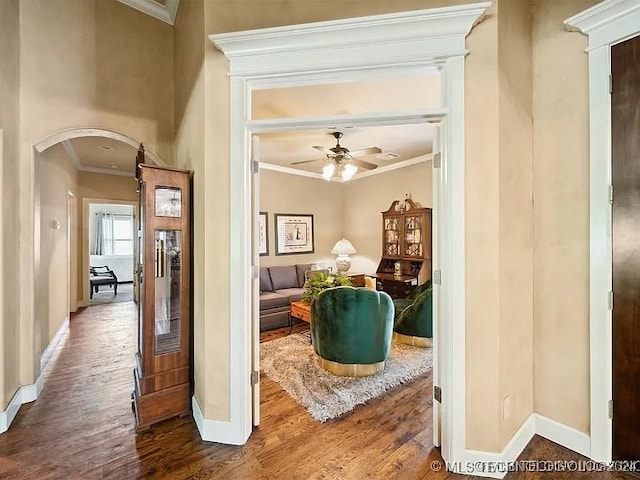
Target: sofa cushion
(273, 299)
(300, 270)
(293, 294)
(283, 277)
(265, 280)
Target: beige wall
(285, 193)
(365, 199)
(96, 63)
(482, 232)
(381, 95)
(9, 265)
(58, 178)
(516, 214)
(189, 148)
(561, 216)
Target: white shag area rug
(291, 362)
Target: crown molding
(607, 22)
(165, 13)
(106, 171)
(73, 156)
(291, 171)
(419, 37)
(393, 166)
(363, 174)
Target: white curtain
(104, 234)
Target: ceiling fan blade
(324, 150)
(306, 161)
(365, 151)
(363, 164)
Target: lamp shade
(343, 247)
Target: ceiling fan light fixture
(327, 171)
(348, 172)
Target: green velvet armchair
(351, 330)
(413, 324)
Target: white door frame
(608, 23)
(416, 41)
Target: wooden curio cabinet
(162, 371)
(406, 248)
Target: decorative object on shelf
(343, 248)
(263, 234)
(321, 281)
(397, 268)
(294, 234)
(406, 248)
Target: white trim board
(29, 393)
(59, 137)
(55, 341)
(215, 430)
(307, 54)
(606, 24)
(25, 394)
(495, 465)
(166, 13)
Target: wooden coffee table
(302, 311)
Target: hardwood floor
(82, 426)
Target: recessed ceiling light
(114, 166)
(105, 147)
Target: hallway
(82, 426)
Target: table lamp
(343, 249)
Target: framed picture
(263, 234)
(294, 234)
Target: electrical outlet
(506, 407)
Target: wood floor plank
(82, 426)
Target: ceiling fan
(343, 163)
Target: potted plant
(321, 281)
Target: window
(122, 234)
(113, 234)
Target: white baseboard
(562, 435)
(46, 355)
(216, 430)
(25, 394)
(493, 465)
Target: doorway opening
(111, 248)
(72, 170)
(291, 188)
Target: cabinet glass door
(391, 237)
(168, 281)
(413, 229)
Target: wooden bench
(102, 276)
